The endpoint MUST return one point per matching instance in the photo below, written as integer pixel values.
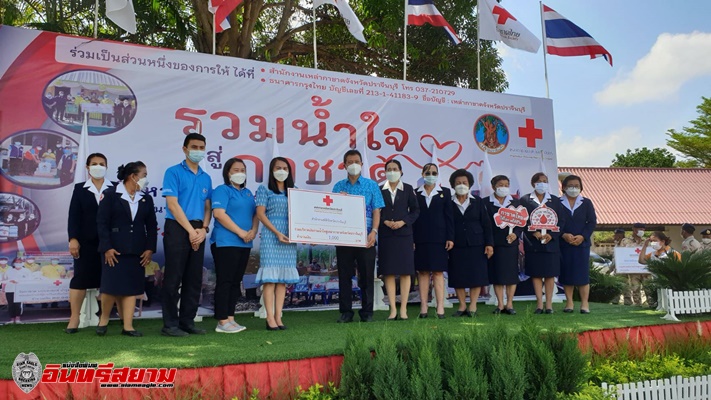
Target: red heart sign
(544, 218)
(442, 146)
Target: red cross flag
(495, 23)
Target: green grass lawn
(310, 334)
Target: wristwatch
(206, 228)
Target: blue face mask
(196, 155)
(67, 151)
(430, 179)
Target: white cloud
(596, 151)
(673, 61)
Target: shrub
(391, 374)
(539, 360)
(571, 365)
(589, 392)
(652, 367)
(508, 373)
(426, 372)
(357, 369)
(317, 392)
(604, 288)
(692, 272)
(466, 378)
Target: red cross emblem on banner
(57, 282)
(530, 133)
(328, 200)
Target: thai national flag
(564, 38)
(420, 12)
(222, 10)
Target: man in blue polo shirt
(187, 190)
(356, 184)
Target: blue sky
(661, 67)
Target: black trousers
(348, 259)
(13, 308)
(183, 270)
(230, 264)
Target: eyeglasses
(430, 173)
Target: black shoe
(422, 315)
(345, 318)
(498, 311)
(173, 332)
(538, 311)
(71, 330)
(282, 327)
(101, 330)
(133, 333)
(549, 311)
(393, 318)
(367, 318)
(584, 311)
(441, 316)
(470, 314)
(510, 311)
(568, 310)
(193, 330)
(269, 328)
(459, 313)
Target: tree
(645, 158)
(695, 141)
(281, 31)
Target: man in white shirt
(690, 243)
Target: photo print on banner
(108, 101)
(19, 217)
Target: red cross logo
(530, 133)
(328, 200)
(637, 251)
(503, 15)
(57, 282)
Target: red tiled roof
(662, 196)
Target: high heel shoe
(269, 328)
(101, 330)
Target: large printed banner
(142, 101)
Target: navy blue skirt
(431, 257)
(125, 278)
(575, 266)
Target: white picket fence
(676, 388)
(687, 302)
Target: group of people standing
(431, 229)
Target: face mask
(18, 266)
(55, 262)
(353, 169)
(281, 175)
(706, 240)
(640, 233)
(656, 245)
(541, 187)
(142, 183)
(393, 176)
(4, 262)
(430, 180)
(30, 261)
(97, 171)
(196, 155)
(572, 191)
(502, 191)
(461, 189)
(238, 178)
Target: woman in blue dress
(575, 247)
(277, 256)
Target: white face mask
(281, 175)
(142, 183)
(97, 171)
(640, 233)
(393, 176)
(655, 245)
(18, 266)
(430, 179)
(238, 178)
(503, 191)
(541, 187)
(461, 189)
(353, 169)
(572, 191)
(706, 240)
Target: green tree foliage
(645, 158)
(281, 31)
(695, 141)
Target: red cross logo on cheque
(57, 282)
(530, 133)
(328, 200)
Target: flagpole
(96, 19)
(404, 59)
(214, 33)
(315, 51)
(545, 48)
(478, 47)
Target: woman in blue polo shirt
(236, 226)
